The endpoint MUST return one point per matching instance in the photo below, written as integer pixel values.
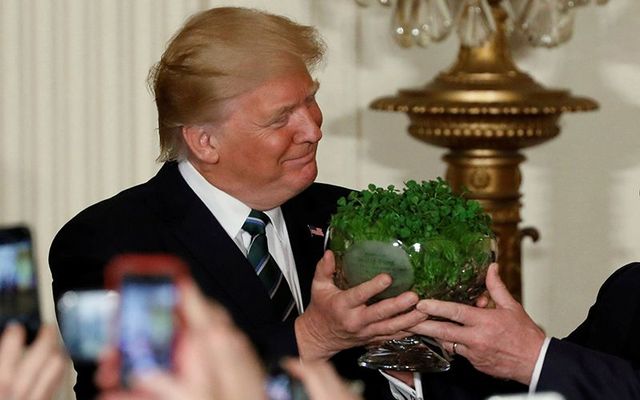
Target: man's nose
(309, 125)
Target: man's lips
(303, 159)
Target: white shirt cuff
(535, 375)
(402, 391)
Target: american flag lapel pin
(316, 231)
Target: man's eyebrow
(285, 109)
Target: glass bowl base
(410, 354)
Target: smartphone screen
(18, 282)
(147, 323)
(86, 320)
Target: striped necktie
(266, 267)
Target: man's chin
(305, 178)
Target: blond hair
(218, 54)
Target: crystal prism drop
(419, 23)
(364, 3)
(475, 23)
(546, 24)
(438, 19)
(564, 26)
(515, 6)
(400, 28)
(567, 4)
(454, 6)
(509, 24)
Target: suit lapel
(307, 248)
(217, 263)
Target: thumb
(497, 289)
(326, 267)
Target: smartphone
(146, 316)
(86, 319)
(18, 280)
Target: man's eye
(311, 100)
(281, 121)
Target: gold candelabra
(484, 110)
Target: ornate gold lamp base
(485, 110)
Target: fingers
(107, 376)
(456, 312)
(497, 289)
(485, 301)
(360, 294)
(124, 395)
(293, 366)
(388, 308)
(243, 368)
(35, 359)
(395, 325)
(34, 373)
(159, 386)
(50, 378)
(320, 380)
(443, 331)
(455, 348)
(396, 336)
(11, 347)
(198, 312)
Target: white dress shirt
(537, 369)
(231, 213)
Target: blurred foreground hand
(34, 372)
(320, 380)
(214, 360)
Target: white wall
(77, 125)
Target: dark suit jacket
(165, 215)
(601, 358)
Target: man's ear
(201, 143)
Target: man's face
(267, 143)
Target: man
(239, 128)
(599, 360)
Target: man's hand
(340, 319)
(503, 341)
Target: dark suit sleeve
(78, 256)
(76, 263)
(601, 358)
(580, 373)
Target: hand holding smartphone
(145, 328)
(146, 316)
(18, 280)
